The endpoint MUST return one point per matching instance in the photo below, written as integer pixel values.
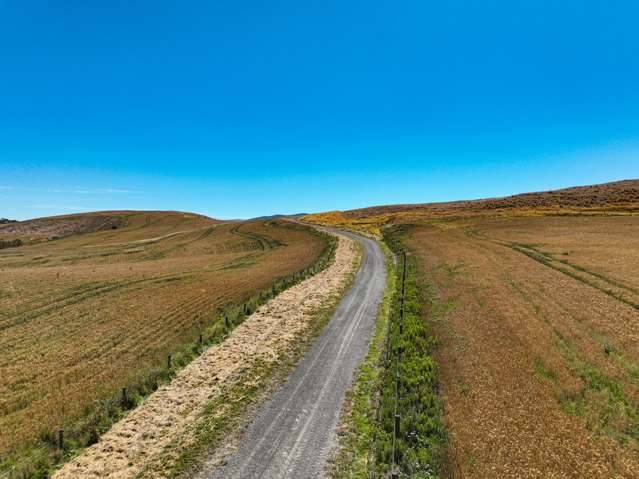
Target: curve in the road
(295, 431)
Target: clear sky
(245, 108)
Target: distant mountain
(275, 217)
(5, 221)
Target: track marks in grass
(609, 286)
(83, 293)
(601, 400)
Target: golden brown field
(619, 198)
(533, 305)
(537, 343)
(87, 314)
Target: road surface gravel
(294, 432)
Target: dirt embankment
(152, 430)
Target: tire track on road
(294, 432)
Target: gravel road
(295, 431)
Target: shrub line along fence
(409, 434)
(57, 447)
(396, 425)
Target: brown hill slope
(89, 314)
(606, 195)
(66, 225)
(618, 198)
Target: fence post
(61, 438)
(125, 399)
(168, 362)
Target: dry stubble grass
(151, 438)
(84, 316)
(538, 361)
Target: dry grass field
(532, 302)
(537, 327)
(87, 314)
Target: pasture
(86, 315)
(536, 325)
(530, 339)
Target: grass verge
(366, 447)
(358, 423)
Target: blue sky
(244, 108)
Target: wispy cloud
(99, 191)
(74, 191)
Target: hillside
(619, 194)
(55, 227)
(89, 314)
(618, 198)
(519, 336)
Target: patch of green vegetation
(543, 371)
(473, 232)
(357, 444)
(463, 387)
(420, 443)
(526, 297)
(242, 262)
(601, 400)
(439, 309)
(263, 241)
(452, 271)
(476, 292)
(628, 365)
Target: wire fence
(398, 357)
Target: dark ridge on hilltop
(278, 216)
(6, 221)
(618, 193)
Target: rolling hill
(93, 303)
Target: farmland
(531, 308)
(536, 332)
(99, 308)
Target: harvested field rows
(83, 316)
(538, 343)
(140, 443)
